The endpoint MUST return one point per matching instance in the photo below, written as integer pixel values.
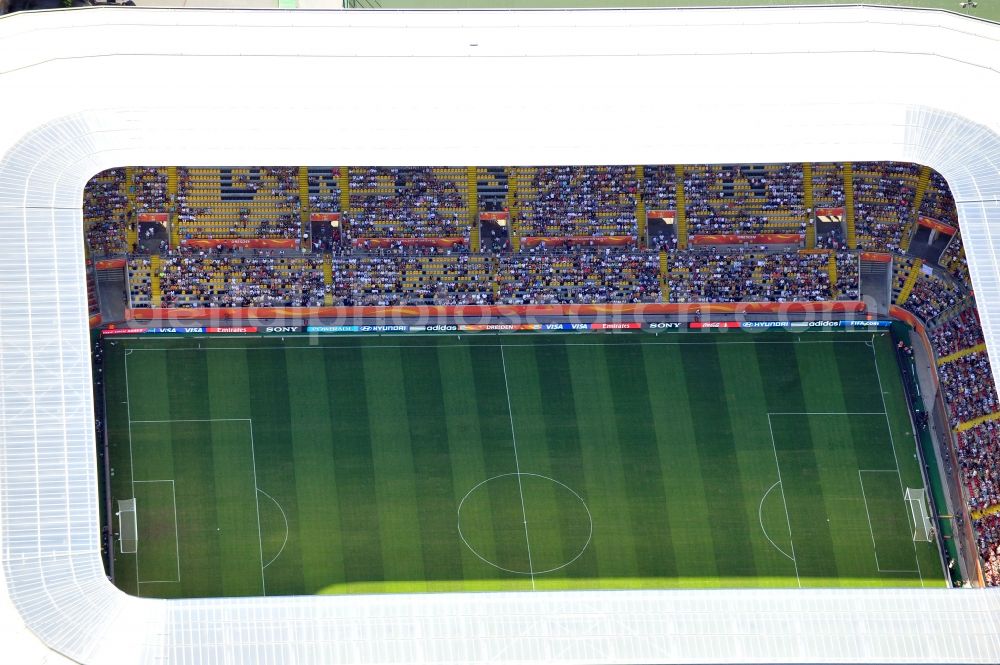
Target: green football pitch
(304, 465)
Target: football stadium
(628, 336)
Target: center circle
(525, 523)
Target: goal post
(128, 530)
(921, 524)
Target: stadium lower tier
(608, 275)
(269, 465)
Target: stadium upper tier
(374, 205)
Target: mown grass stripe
(646, 506)
(841, 502)
(465, 452)
(270, 393)
(763, 509)
(392, 456)
(353, 466)
(200, 509)
(498, 457)
(684, 487)
(229, 387)
(317, 498)
(613, 541)
(561, 526)
(435, 491)
(719, 467)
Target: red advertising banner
(881, 257)
(478, 311)
(381, 243)
(632, 325)
(123, 331)
(238, 329)
(160, 217)
(109, 264)
(714, 324)
(241, 243)
(494, 216)
(660, 214)
(324, 217)
(937, 226)
(815, 251)
(753, 239)
(485, 327)
(95, 320)
(559, 241)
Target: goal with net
(128, 531)
(921, 524)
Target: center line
(517, 468)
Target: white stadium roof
(82, 91)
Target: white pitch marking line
(177, 539)
(788, 520)
(256, 498)
(131, 465)
(284, 517)
(517, 468)
(892, 442)
(760, 518)
(826, 413)
(194, 420)
(869, 515)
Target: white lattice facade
(87, 90)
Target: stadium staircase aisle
(154, 280)
(682, 224)
(831, 269)
(513, 212)
(174, 225)
(986, 512)
(852, 236)
(911, 279)
(328, 279)
(664, 280)
(345, 191)
(640, 206)
(472, 203)
(304, 193)
(969, 424)
(918, 199)
(961, 354)
(807, 188)
(171, 183)
(132, 228)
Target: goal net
(923, 528)
(128, 531)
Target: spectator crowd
(713, 276)
(576, 200)
(105, 205)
